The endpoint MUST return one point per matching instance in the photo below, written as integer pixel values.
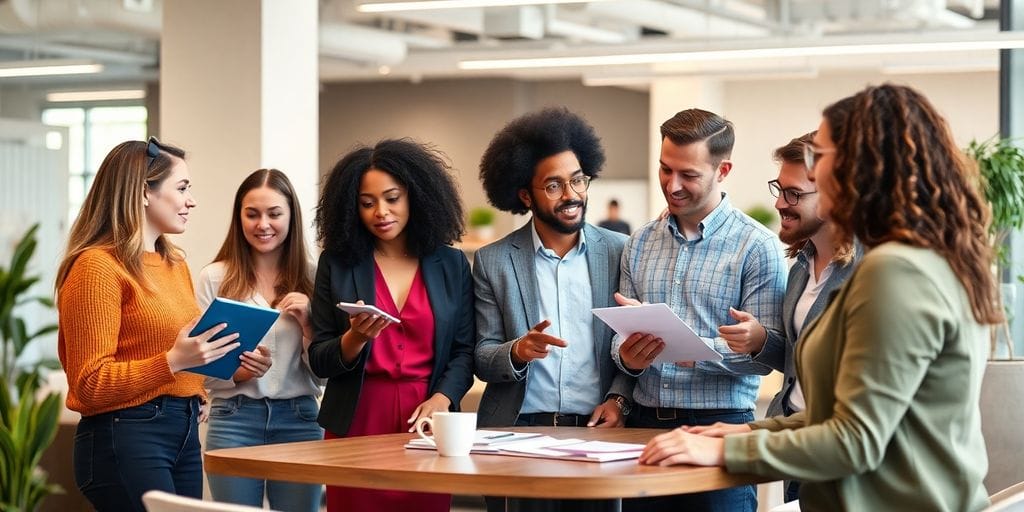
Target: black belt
(556, 420)
(668, 413)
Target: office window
(92, 133)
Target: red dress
(397, 375)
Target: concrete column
(667, 97)
(239, 91)
(1011, 124)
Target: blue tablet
(249, 321)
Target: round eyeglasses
(792, 197)
(812, 154)
(555, 188)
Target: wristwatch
(624, 405)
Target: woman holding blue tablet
(272, 396)
(386, 218)
(126, 308)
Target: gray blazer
(779, 349)
(507, 300)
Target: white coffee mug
(454, 432)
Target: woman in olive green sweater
(892, 369)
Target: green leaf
(28, 423)
(43, 331)
(49, 364)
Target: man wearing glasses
(709, 263)
(545, 359)
(822, 265)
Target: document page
(547, 447)
(681, 343)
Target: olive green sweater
(891, 373)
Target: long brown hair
(793, 153)
(112, 216)
(236, 253)
(902, 178)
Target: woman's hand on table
(438, 402)
(679, 447)
(718, 429)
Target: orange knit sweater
(114, 335)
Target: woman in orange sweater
(126, 307)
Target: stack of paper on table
(485, 442)
(492, 442)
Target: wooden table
(381, 462)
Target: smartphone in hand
(355, 309)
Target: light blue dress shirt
(565, 380)
(734, 262)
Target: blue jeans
(243, 421)
(735, 499)
(120, 455)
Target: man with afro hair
(545, 360)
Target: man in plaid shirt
(720, 271)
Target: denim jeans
(120, 455)
(735, 499)
(243, 421)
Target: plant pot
(482, 233)
(1002, 423)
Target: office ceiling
(424, 44)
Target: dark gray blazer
(507, 300)
(780, 348)
(450, 291)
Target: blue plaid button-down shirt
(734, 262)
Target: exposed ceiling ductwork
(423, 43)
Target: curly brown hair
(905, 180)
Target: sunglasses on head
(152, 150)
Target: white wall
(767, 114)
(461, 116)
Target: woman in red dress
(386, 219)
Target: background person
(613, 222)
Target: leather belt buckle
(665, 414)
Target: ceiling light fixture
(431, 5)
(69, 96)
(793, 73)
(24, 68)
(996, 41)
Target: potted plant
(28, 419)
(1001, 165)
(481, 223)
(766, 216)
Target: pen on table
(499, 436)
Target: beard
(805, 228)
(552, 220)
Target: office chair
(160, 501)
(1010, 499)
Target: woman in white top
(272, 396)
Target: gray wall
(461, 116)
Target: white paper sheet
(681, 343)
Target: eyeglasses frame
(563, 183)
(775, 189)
